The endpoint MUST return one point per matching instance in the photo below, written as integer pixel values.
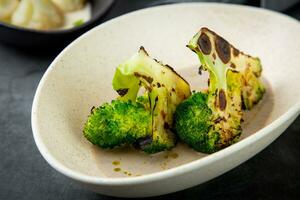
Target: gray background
(24, 174)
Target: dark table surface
(24, 174)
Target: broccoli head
(117, 124)
(144, 121)
(211, 120)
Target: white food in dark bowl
(26, 37)
(37, 14)
(7, 8)
(69, 5)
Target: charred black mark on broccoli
(122, 92)
(204, 43)
(223, 49)
(219, 119)
(172, 69)
(163, 114)
(93, 109)
(142, 142)
(235, 52)
(155, 103)
(214, 56)
(166, 125)
(144, 50)
(200, 70)
(222, 100)
(147, 78)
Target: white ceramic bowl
(80, 77)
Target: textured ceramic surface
(80, 77)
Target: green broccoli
(211, 120)
(143, 121)
(118, 123)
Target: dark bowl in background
(24, 37)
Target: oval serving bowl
(25, 37)
(80, 77)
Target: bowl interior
(81, 78)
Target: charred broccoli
(143, 121)
(207, 121)
(211, 120)
(165, 90)
(118, 123)
(213, 50)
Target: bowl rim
(86, 24)
(176, 171)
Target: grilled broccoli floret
(143, 121)
(193, 120)
(165, 90)
(214, 50)
(211, 120)
(117, 124)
